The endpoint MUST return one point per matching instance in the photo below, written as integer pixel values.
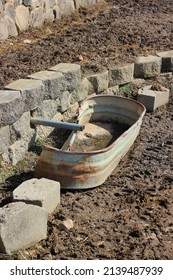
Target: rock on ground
(21, 226)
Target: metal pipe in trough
(66, 125)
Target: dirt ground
(130, 216)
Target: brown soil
(130, 215)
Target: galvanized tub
(88, 169)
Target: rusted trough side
(82, 170)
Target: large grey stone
(11, 106)
(82, 92)
(22, 17)
(164, 78)
(47, 110)
(49, 16)
(84, 3)
(147, 67)
(3, 29)
(72, 73)
(99, 82)
(167, 61)
(21, 129)
(66, 6)
(120, 75)
(49, 4)
(16, 2)
(153, 98)
(42, 192)
(12, 30)
(21, 226)
(4, 139)
(71, 113)
(10, 11)
(22, 137)
(37, 17)
(35, 4)
(64, 101)
(16, 152)
(54, 83)
(42, 2)
(32, 92)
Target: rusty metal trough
(87, 158)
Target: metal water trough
(81, 169)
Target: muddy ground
(130, 216)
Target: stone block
(49, 4)
(120, 75)
(21, 226)
(42, 2)
(37, 17)
(147, 67)
(64, 101)
(82, 92)
(4, 139)
(47, 110)
(167, 61)
(85, 3)
(3, 29)
(16, 2)
(32, 92)
(67, 7)
(49, 16)
(16, 152)
(71, 113)
(164, 78)
(10, 11)
(22, 137)
(11, 106)
(153, 98)
(54, 83)
(35, 4)
(21, 129)
(12, 30)
(22, 17)
(99, 82)
(72, 74)
(42, 192)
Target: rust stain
(64, 173)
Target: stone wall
(57, 92)
(19, 15)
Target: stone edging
(56, 93)
(17, 16)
